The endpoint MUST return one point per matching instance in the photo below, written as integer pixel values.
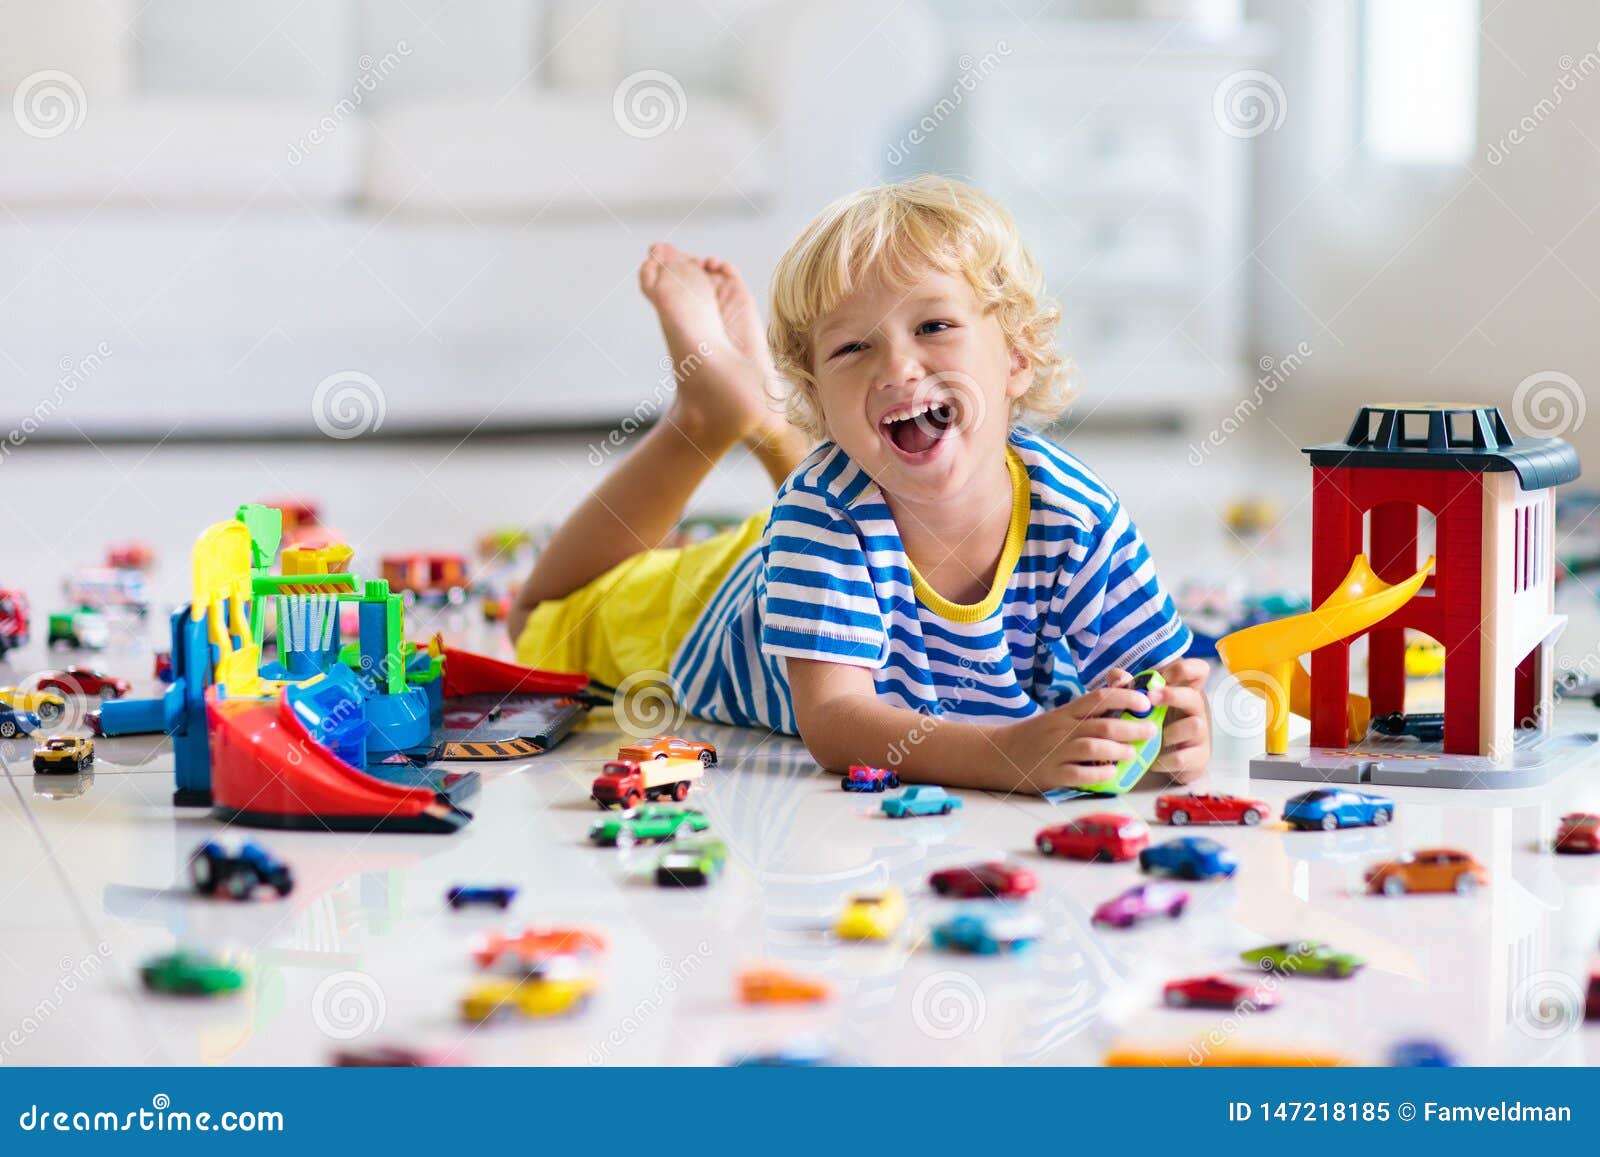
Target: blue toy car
(217, 872)
(986, 934)
(1329, 808)
(921, 801)
(1192, 857)
(492, 895)
(1421, 1053)
(15, 722)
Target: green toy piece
(652, 823)
(265, 524)
(691, 863)
(190, 974)
(1310, 957)
(1131, 771)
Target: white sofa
(241, 197)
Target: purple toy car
(1142, 903)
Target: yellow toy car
(47, 705)
(1424, 657)
(64, 755)
(552, 993)
(872, 917)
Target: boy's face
(916, 384)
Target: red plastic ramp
(268, 772)
(469, 673)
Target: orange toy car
(532, 947)
(774, 986)
(668, 747)
(1428, 870)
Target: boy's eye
(848, 347)
(934, 327)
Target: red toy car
(1201, 808)
(162, 667)
(1579, 833)
(84, 681)
(860, 777)
(992, 880)
(13, 620)
(1102, 836)
(1217, 992)
(130, 556)
(1591, 1000)
(529, 949)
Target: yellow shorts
(633, 617)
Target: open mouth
(919, 428)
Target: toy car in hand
(215, 871)
(1217, 992)
(1578, 834)
(986, 933)
(481, 895)
(1100, 836)
(652, 823)
(64, 755)
(992, 880)
(563, 987)
(1142, 903)
(775, 986)
(190, 974)
(872, 916)
(860, 777)
(1331, 808)
(1199, 808)
(14, 722)
(87, 681)
(1191, 858)
(920, 801)
(691, 863)
(1311, 957)
(668, 747)
(47, 705)
(532, 948)
(1428, 870)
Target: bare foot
(721, 387)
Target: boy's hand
(1186, 738)
(1071, 745)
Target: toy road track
(504, 726)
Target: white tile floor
(89, 883)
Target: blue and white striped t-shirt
(1076, 595)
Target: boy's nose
(901, 368)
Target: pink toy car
(1142, 903)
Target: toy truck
(626, 782)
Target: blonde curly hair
(901, 230)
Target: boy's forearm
(919, 748)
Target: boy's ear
(1021, 375)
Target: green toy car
(190, 974)
(691, 864)
(653, 823)
(1310, 957)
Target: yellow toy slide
(1266, 658)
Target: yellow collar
(1015, 535)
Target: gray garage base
(1407, 763)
